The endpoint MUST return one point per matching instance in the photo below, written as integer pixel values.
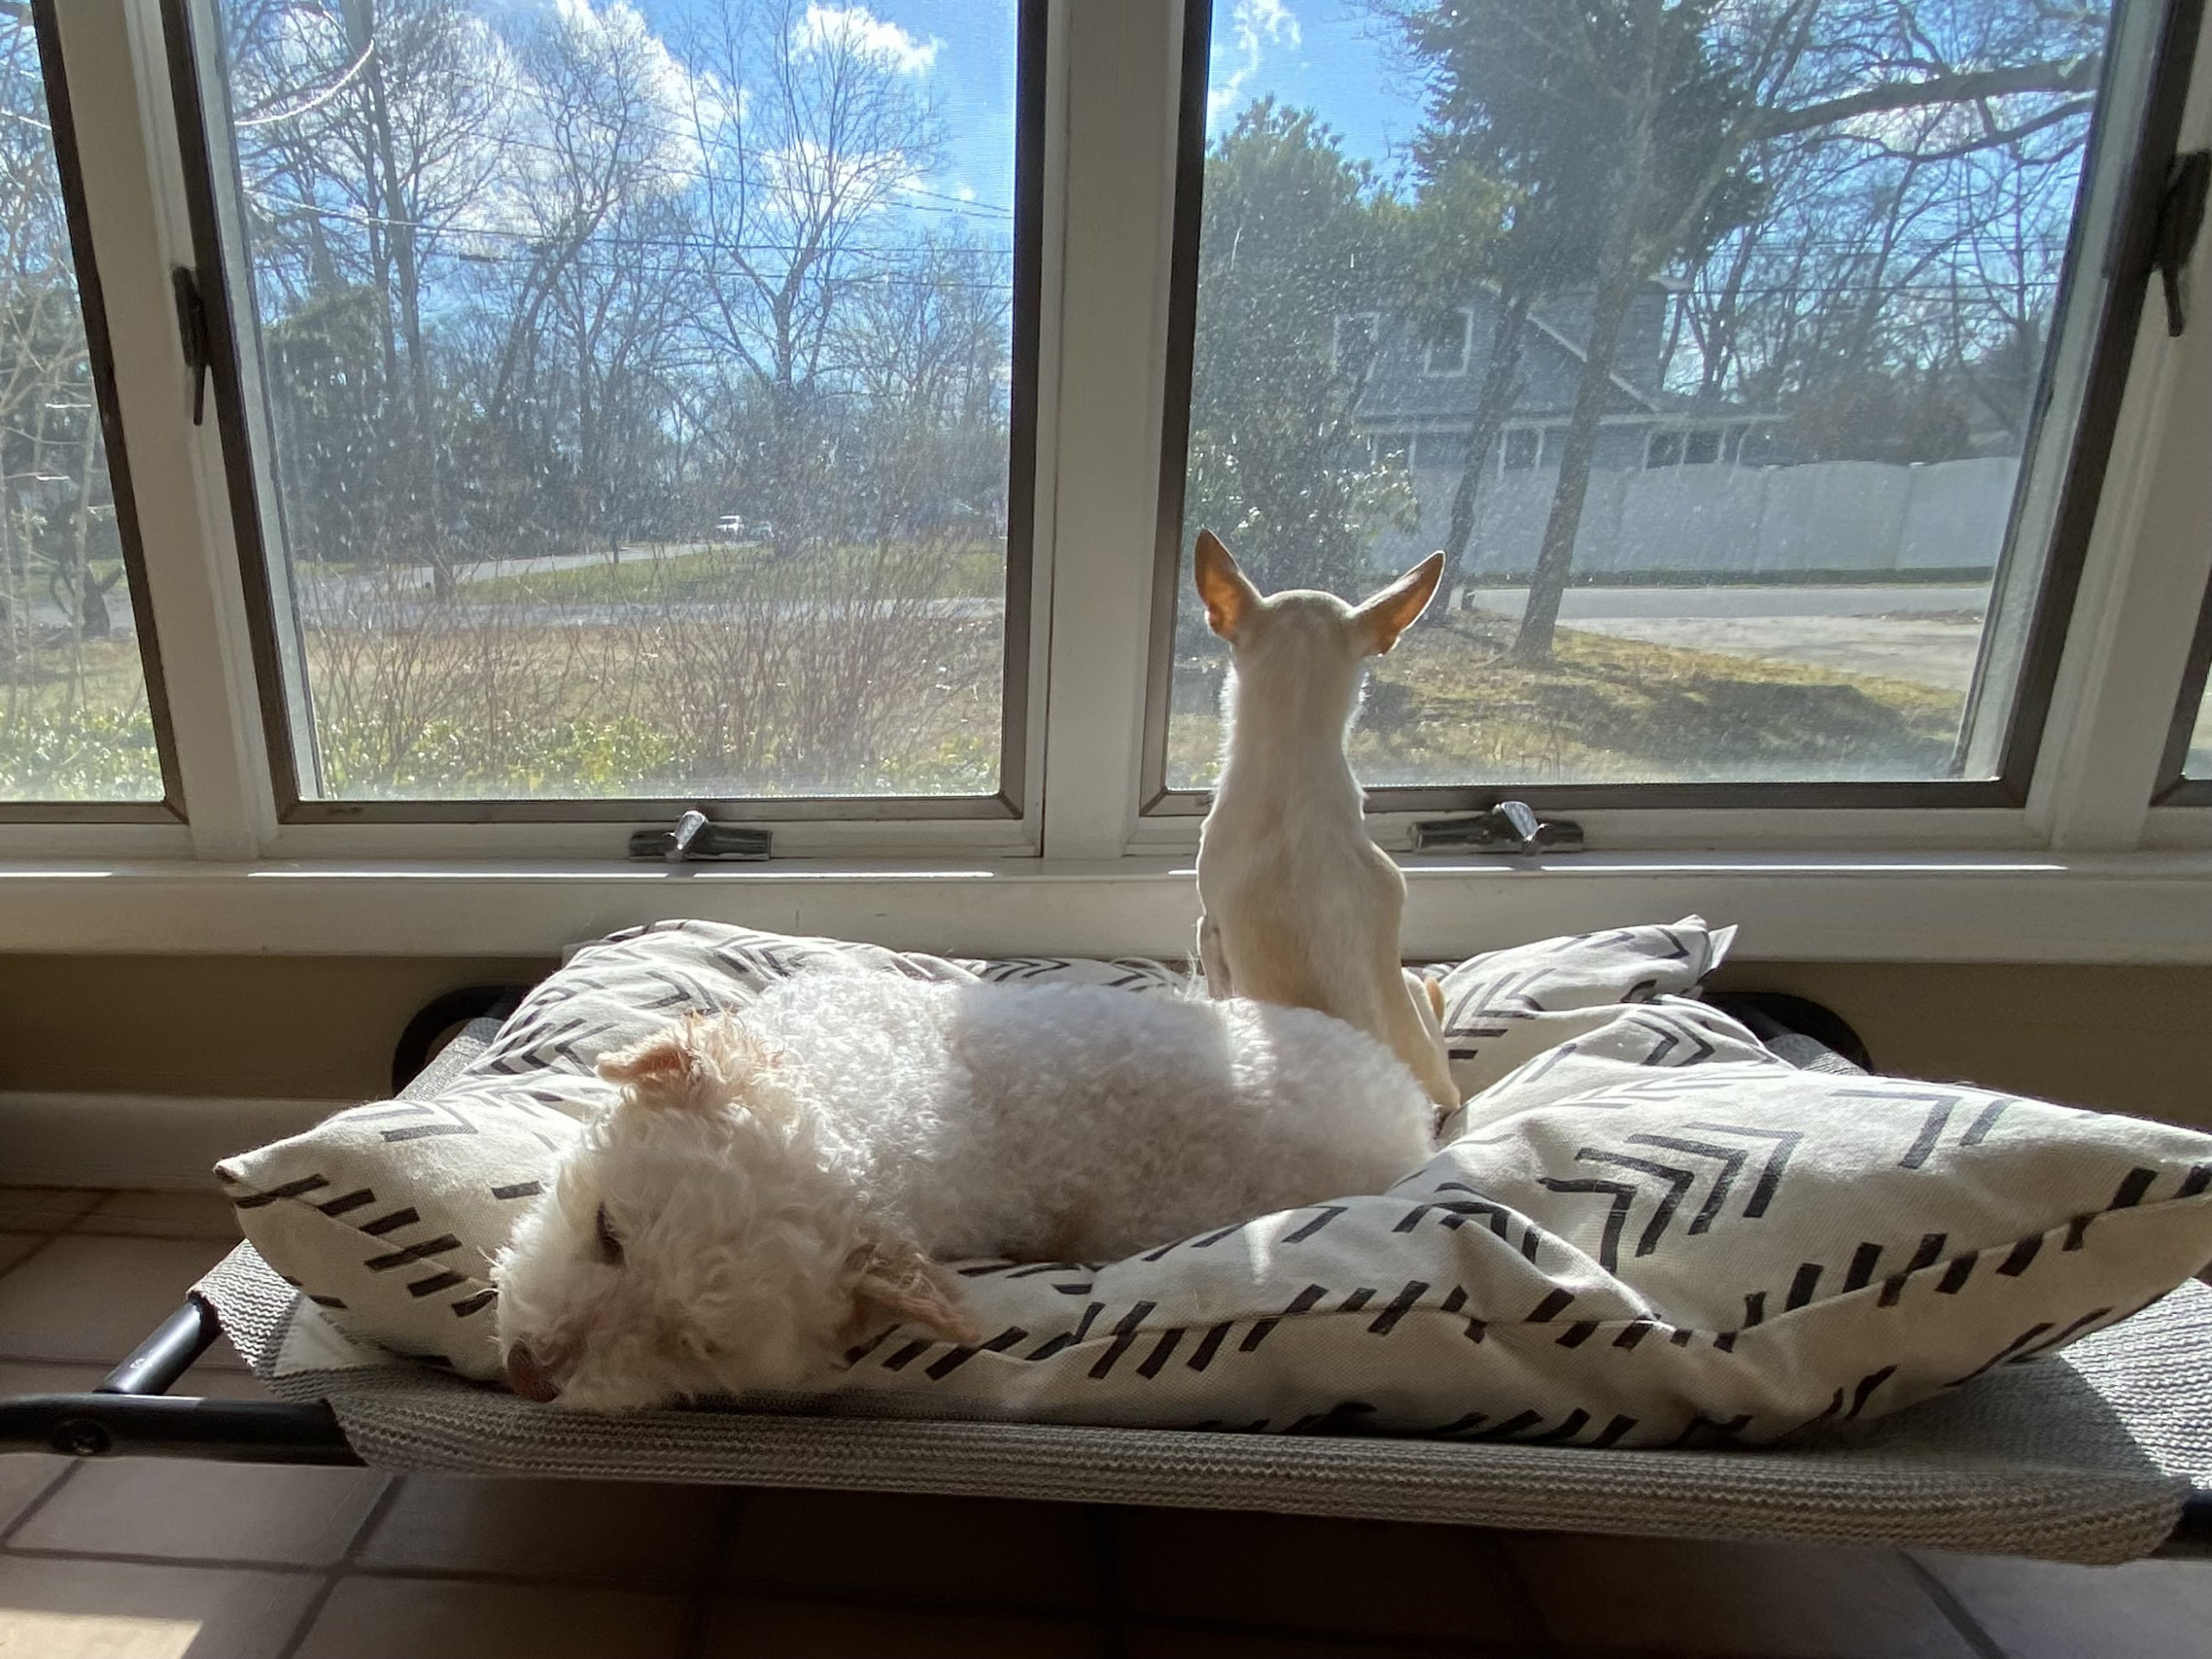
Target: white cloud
(966, 193)
(1254, 25)
(857, 30)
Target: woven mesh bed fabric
(2086, 1456)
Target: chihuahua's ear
(899, 1284)
(1390, 612)
(660, 1070)
(1230, 596)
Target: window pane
(632, 389)
(1798, 363)
(2198, 764)
(74, 718)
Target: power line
(597, 238)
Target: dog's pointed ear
(1230, 596)
(659, 1070)
(899, 1284)
(1383, 618)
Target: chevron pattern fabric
(1646, 1231)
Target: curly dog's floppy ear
(899, 1284)
(661, 1070)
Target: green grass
(553, 711)
(1445, 708)
(74, 725)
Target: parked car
(733, 527)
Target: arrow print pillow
(1651, 1232)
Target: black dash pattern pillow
(1651, 1232)
(1507, 1007)
(387, 1217)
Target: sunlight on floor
(26, 1633)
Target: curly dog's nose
(527, 1378)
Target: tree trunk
(1501, 389)
(1555, 557)
(1620, 271)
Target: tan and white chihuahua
(1297, 904)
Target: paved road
(1923, 635)
(1583, 604)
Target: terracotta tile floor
(161, 1560)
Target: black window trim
(2129, 257)
(190, 86)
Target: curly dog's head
(702, 1237)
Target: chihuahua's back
(1299, 906)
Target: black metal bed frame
(131, 1413)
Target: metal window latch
(1509, 827)
(2181, 216)
(191, 329)
(696, 836)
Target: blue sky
(1315, 52)
(1319, 55)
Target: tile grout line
(34, 1253)
(338, 1571)
(699, 1618)
(30, 1510)
(1954, 1610)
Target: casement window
(1876, 621)
(544, 421)
(83, 727)
(626, 409)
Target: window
(1446, 351)
(638, 400)
(80, 695)
(526, 515)
(2185, 772)
(1435, 451)
(1354, 342)
(1872, 617)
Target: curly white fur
(775, 1186)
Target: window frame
(2105, 876)
(198, 94)
(92, 303)
(1429, 371)
(2112, 335)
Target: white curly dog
(776, 1186)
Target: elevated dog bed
(2101, 1454)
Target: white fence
(1840, 516)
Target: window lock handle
(2181, 216)
(695, 837)
(1510, 827)
(192, 332)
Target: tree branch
(2053, 75)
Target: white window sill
(2138, 907)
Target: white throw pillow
(1651, 1230)
(387, 1217)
